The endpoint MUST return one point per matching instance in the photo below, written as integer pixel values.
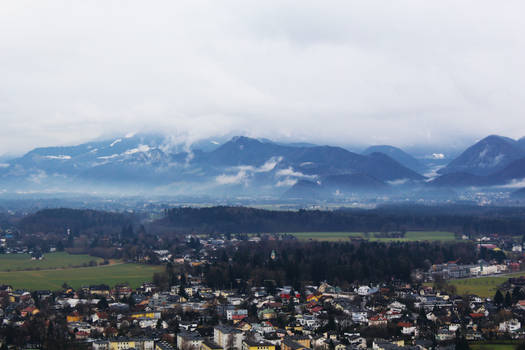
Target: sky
(402, 72)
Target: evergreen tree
(517, 294)
(461, 342)
(103, 304)
(520, 346)
(508, 300)
(498, 298)
(331, 323)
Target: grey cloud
(362, 72)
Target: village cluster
(324, 317)
(191, 315)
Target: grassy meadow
(17, 262)
(134, 274)
(484, 287)
(19, 271)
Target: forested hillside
(389, 219)
(77, 220)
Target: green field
(410, 236)
(484, 287)
(17, 262)
(134, 274)
(325, 236)
(493, 346)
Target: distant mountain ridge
(241, 164)
(311, 160)
(495, 160)
(244, 166)
(491, 154)
(398, 155)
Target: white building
(228, 337)
(510, 326)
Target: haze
(367, 72)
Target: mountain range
(493, 161)
(243, 166)
(400, 156)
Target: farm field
(134, 274)
(484, 287)
(410, 236)
(17, 262)
(325, 236)
(413, 236)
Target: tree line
(223, 219)
(76, 220)
(298, 263)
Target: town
(262, 175)
(193, 316)
(182, 308)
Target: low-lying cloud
(238, 178)
(287, 182)
(244, 172)
(289, 172)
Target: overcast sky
(338, 72)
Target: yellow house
(30, 310)
(145, 315)
(399, 342)
(130, 343)
(253, 345)
(297, 340)
(74, 317)
(122, 344)
(243, 326)
(297, 328)
(101, 290)
(313, 297)
(209, 345)
(206, 290)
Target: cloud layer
(339, 72)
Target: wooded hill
(458, 219)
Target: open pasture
(57, 260)
(134, 274)
(484, 287)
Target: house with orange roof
(29, 311)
